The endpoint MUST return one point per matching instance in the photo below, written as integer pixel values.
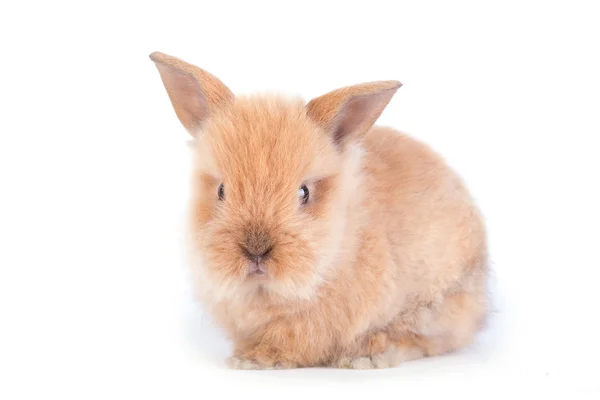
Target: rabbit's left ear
(194, 93)
(348, 113)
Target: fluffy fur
(387, 261)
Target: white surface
(94, 301)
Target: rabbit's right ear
(194, 93)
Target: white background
(94, 296)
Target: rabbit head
(276, 183)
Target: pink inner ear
(349, 118)
(358, 114)
(185, 94)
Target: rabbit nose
(257, 258)
(257, 244)
(257, 255)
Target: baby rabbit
(320, 240)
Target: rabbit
(318, 239)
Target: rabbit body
(319, 239)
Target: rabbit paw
(259, 359)
(355, 363)
(242, 363)
(392, 357)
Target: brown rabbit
(320, 240)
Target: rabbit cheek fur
(385, 263)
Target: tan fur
(386, 263)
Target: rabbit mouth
(257, 271)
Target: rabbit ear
(348, 113)
(194, 93)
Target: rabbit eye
(221, 192)
(303, 194)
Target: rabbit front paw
(259, 358)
